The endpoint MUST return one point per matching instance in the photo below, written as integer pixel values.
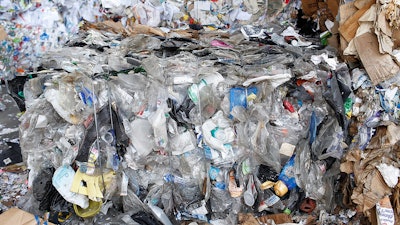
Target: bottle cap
(308, 205)
(280, 188)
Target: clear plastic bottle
(287, 180)
(270, 201)
(292, 201)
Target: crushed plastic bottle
(286, 180)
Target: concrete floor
(9, 132)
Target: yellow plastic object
(91, 186)
(186, 17)
(251, 97)
(267, 184)
(280, 188)
(92, 210)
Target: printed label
(384, 212)
(7, 161)
(272, 200)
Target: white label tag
(287, 149)
(7, 161)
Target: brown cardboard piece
(309, 7)
(379, 67)
(370, 186)
(396, 38)
(143, 29)
(396, 203)
(108, 25)
(349, 28)
(334, 39)
(249, 219)
(345, 11)
(359, 4)
(333, 6)
(324, 14)
(3, 33)
(118, 28)
(384, 33)
(380, 139)
(393, 134)
(324, 10)
(372, 189)
(277, 218)
(15, 216)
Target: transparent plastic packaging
(75, 96)
(140, 43)
(131, 203)
(325, 147)
(220, 200)
(141, 130)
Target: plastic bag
(220, 200)
(140, 131)
(144, 218)
(132, 203)
(62, 181)
(329, 142)
(334, 98)
(217, 132)
(140, 43)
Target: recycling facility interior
(200, 112)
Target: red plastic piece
(288, 106)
